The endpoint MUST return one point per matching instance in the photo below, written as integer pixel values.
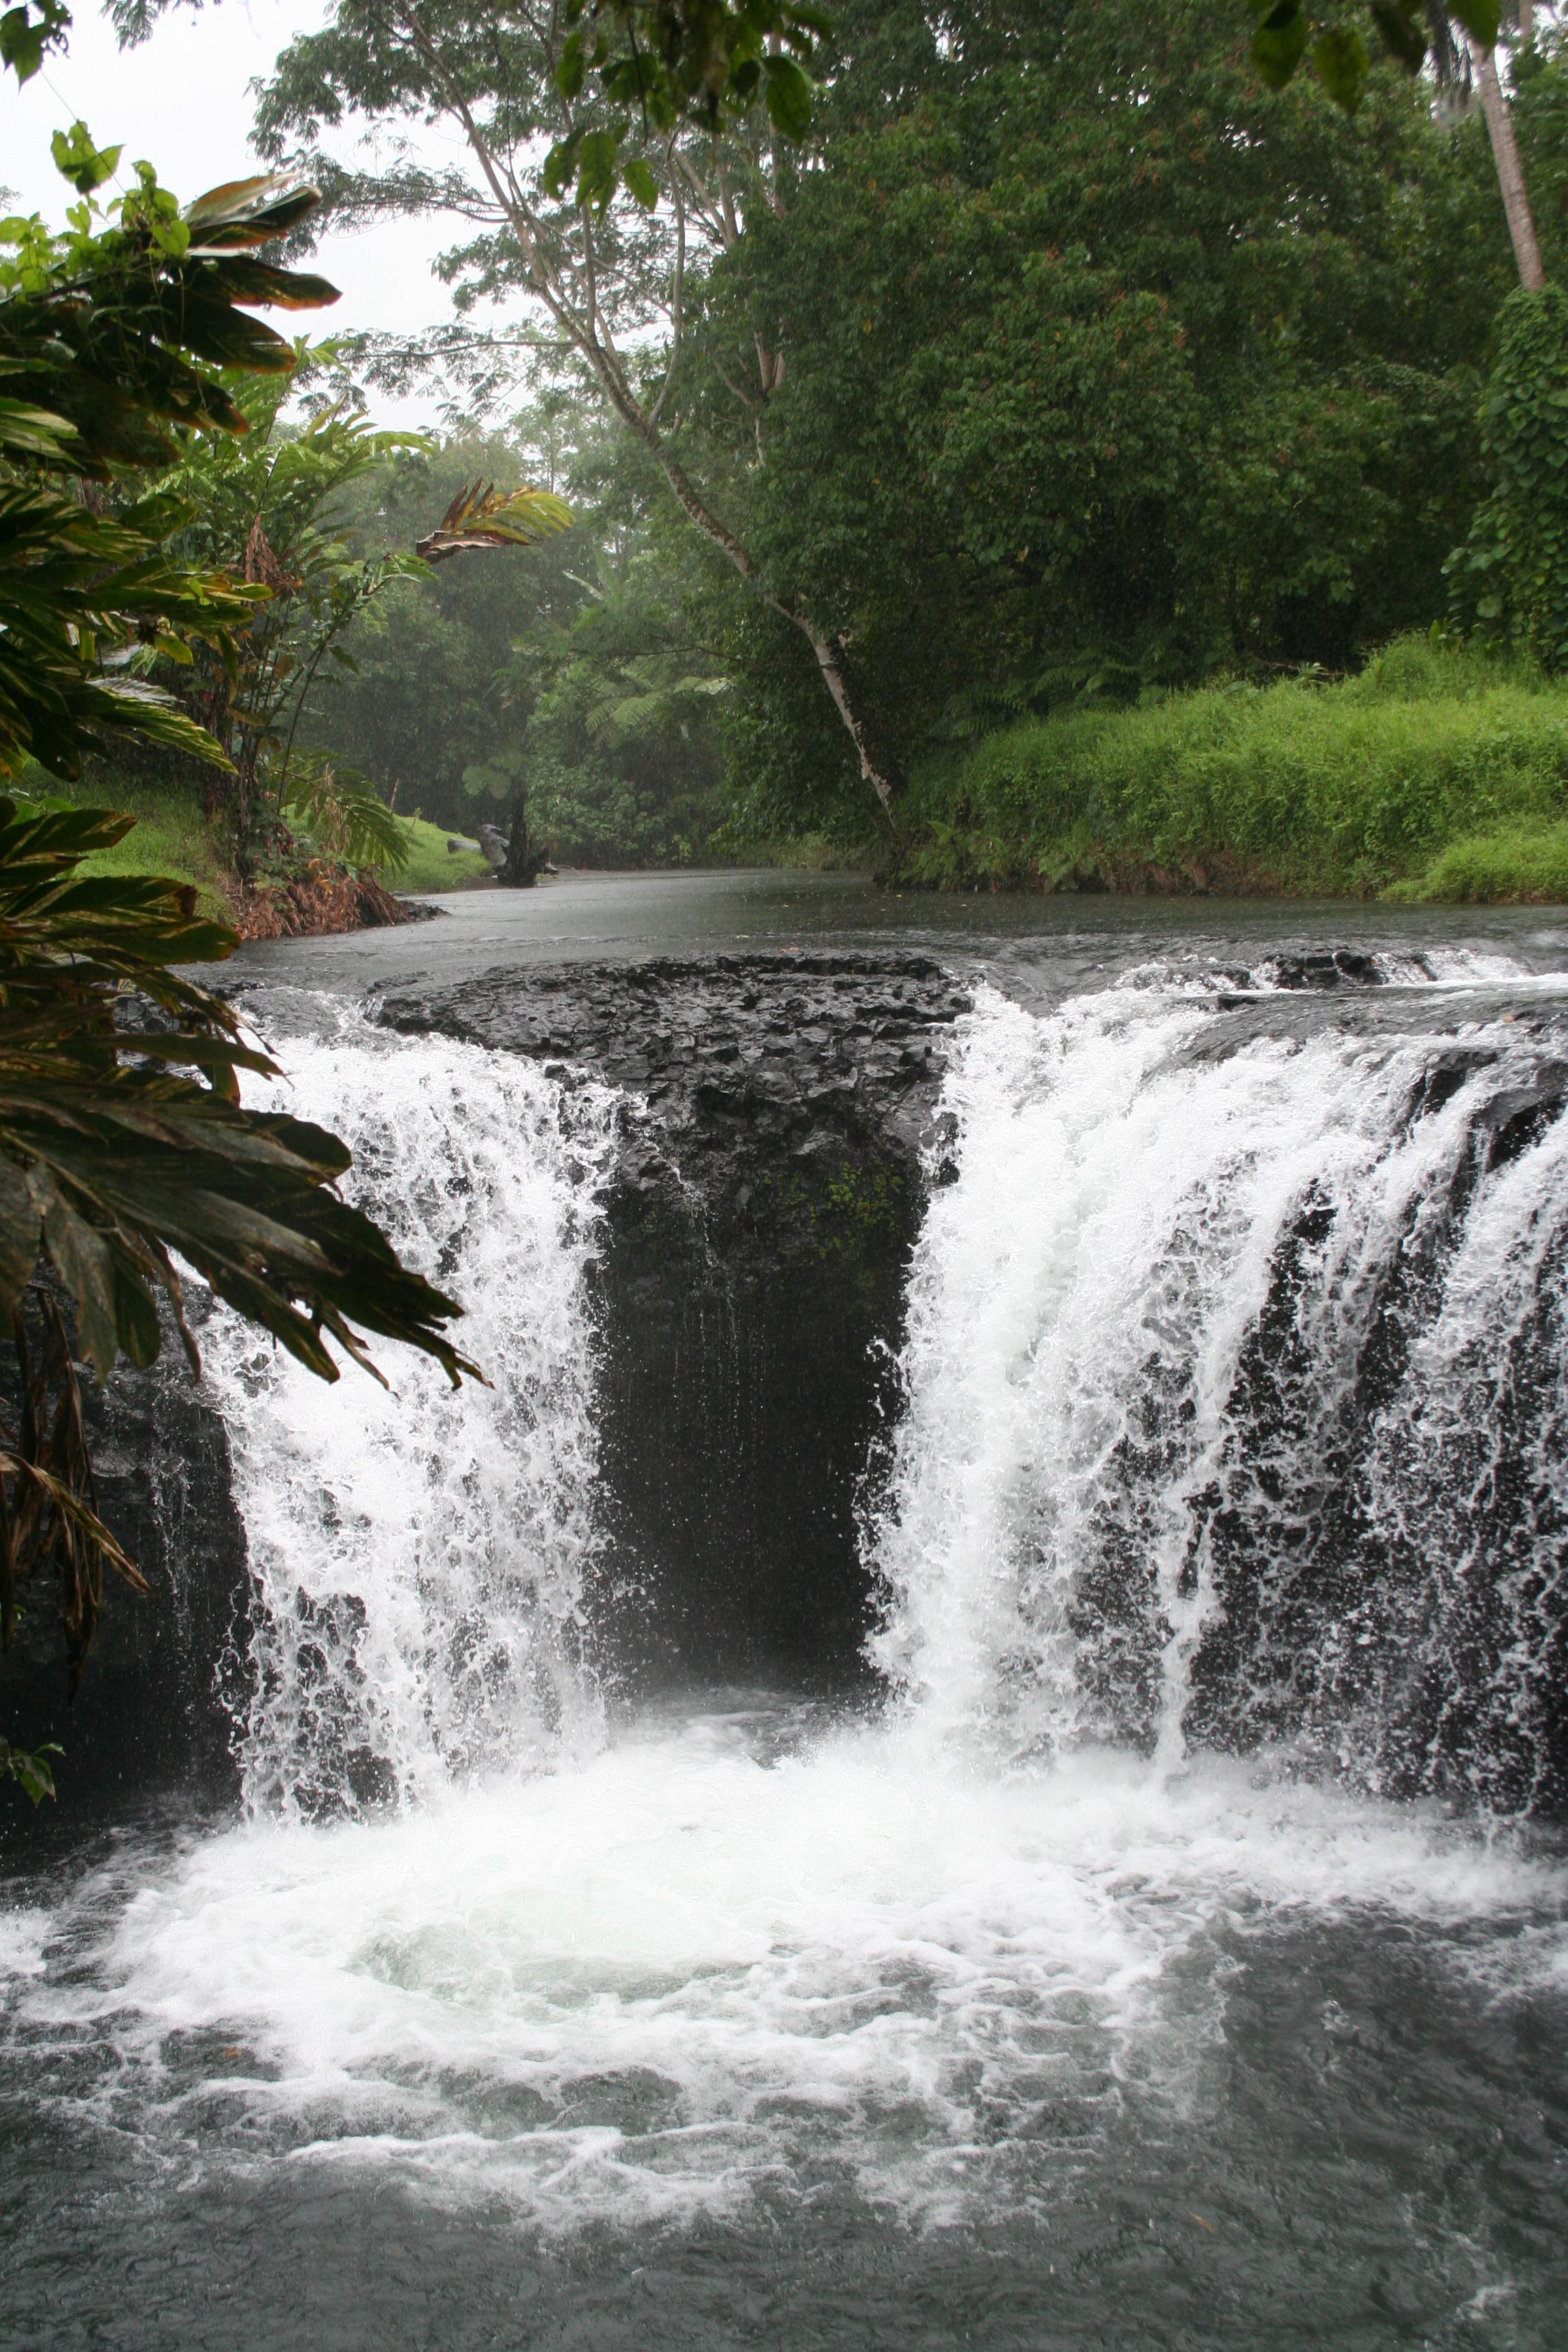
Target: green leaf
(1280, 43)
(1340, 62)
(1482, 19)
(596, 168)
(245, 212)
(561, 164)
(25, 44)
(788, 97)
(27, 432)
(85, 1261)
(21, 1238)
(642, 184)
(1403, 28)
(573, 65)
(84, 165)
(27, 1768)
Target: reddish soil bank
(331, 901)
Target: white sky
(182, 102)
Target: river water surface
(1170, 1947)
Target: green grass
(1527, 863)
(431, 866)
(170, 838)
(1435, 774)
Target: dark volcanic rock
(751, 1290)
(820, 1061)
(148, 1717)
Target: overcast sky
(182, 102)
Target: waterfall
(418, 1554)
(1226, 1504)
(1235, 1385)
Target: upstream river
(1161, 1940)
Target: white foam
(24, 1930)
(1079, 1303)
(657, 1979)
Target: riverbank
(173, 838)
(1436, 775)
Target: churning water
(1176, 1955)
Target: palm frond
(481, 516)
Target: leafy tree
(654, 196)
(271, 505)
(1074, 401)
(418, 693)
(620, 745)
(1510, 579)
(1415, 33)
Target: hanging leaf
(1280, 43)
(1340, 62)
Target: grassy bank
(431, 866)
(1433, 774)
(173, 837)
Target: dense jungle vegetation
(1070, 369)
(1083, 414)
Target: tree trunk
(523, 865)
(1510, 172)
(583, 327)
(877, 766)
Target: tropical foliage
(1510, 579)
(92, 386)
(125, 1151)
(270, 506)
(1018, 381)
(1363, 786)
(124, 1145)
(1068, 356)
(1334, 47)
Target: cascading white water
(1198, 1333)
(1218, 1355)
(419, 1553)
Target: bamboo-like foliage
(123, 1139)
(346, 816)
(481, 516)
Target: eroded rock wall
(768, 1189)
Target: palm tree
(1414, 32)
(1505, 147)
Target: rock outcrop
(752, 1288)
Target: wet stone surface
(743, 1062)
(750, 1287)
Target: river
(1160, 1940)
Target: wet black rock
(818, 1062)
(1308, 972)
(1326, 967)
(767, 1194)
(149, 1717)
